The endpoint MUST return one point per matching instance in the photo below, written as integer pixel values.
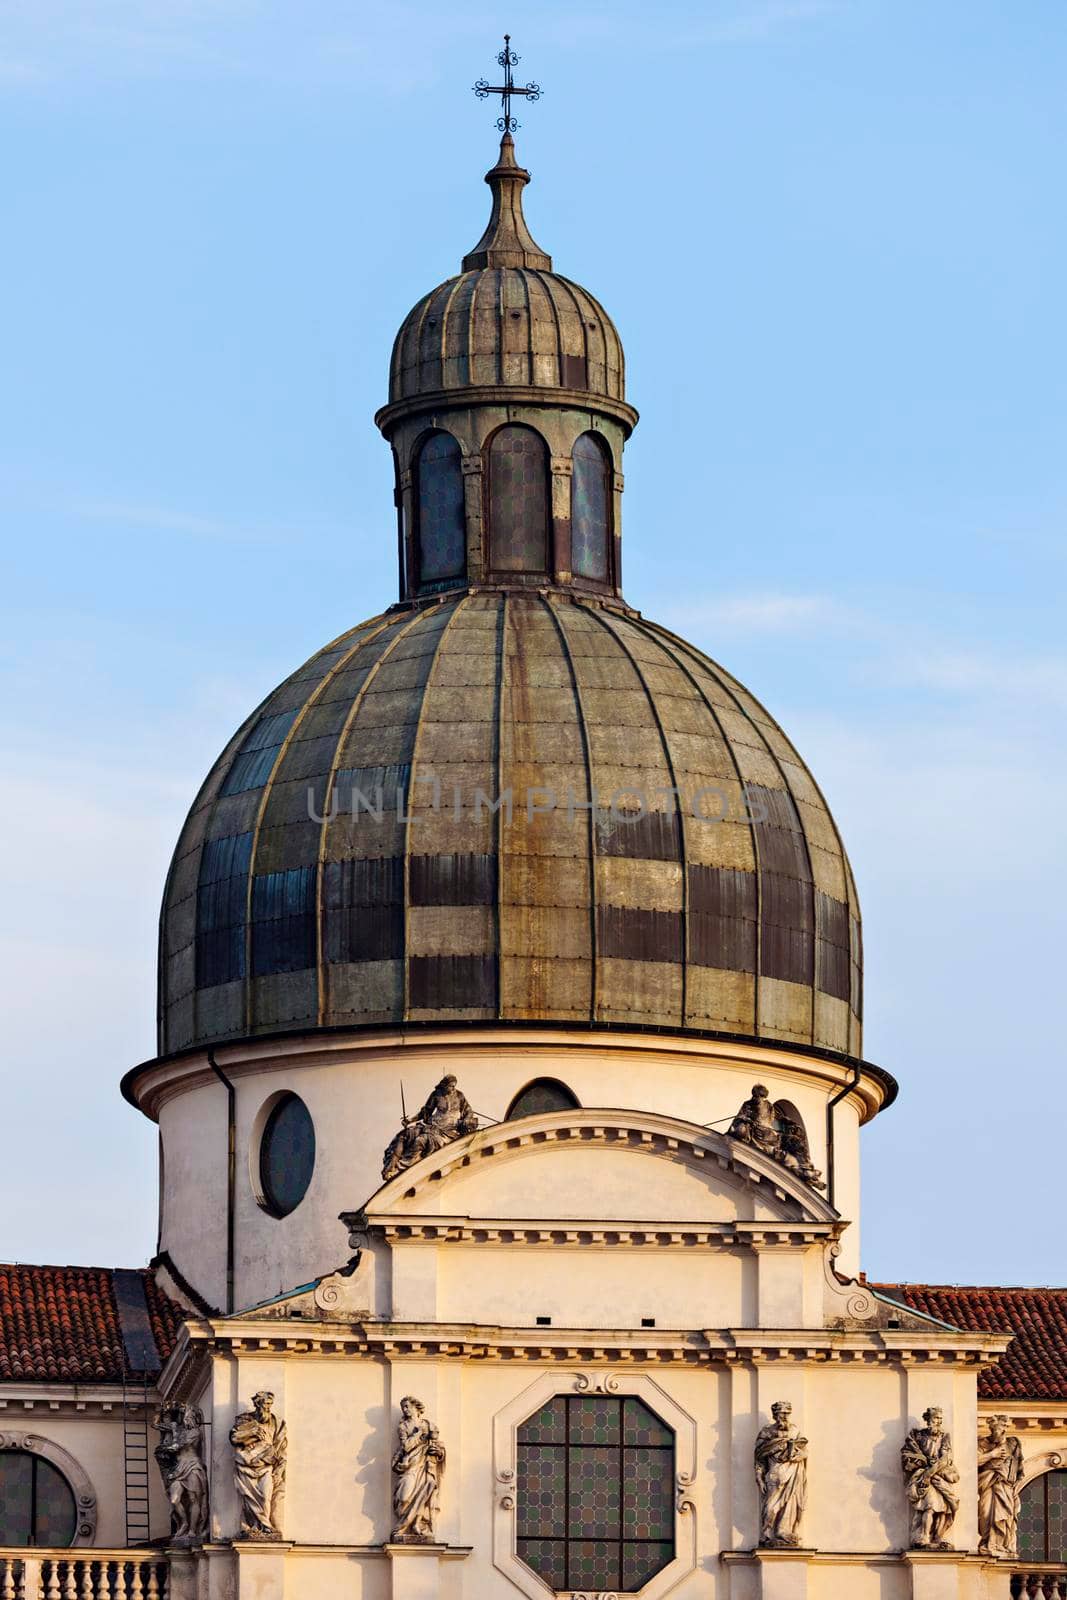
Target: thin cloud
(968, 673)
(161, 519)
(769, 613)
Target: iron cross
(508, 59)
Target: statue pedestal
(783, 1572)
(261, 1568)
(935, 1574)
(416, 1568)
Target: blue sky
(832, 234)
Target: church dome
(510, 798)
(511, 806)
(507, 321)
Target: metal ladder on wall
(135, 1456)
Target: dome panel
(510, 806)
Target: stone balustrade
(1044, 1578)
(91, 1574)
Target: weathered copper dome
(508, 321)
(510, 805)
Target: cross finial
(507, 59)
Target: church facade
(511, 1097)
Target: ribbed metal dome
(507, 325)
(609, 895)
(507, 319)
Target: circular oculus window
(286, 1155)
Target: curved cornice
(502, 394)
(649, 1133)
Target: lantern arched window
(518, 501)
(591, 509)
(440, 524)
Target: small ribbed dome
(291, 906)
(507, 319)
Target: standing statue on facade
(447, 1115)
(930, 1477)
(418, 1463)
(1000, 1467)
(781, 1458)
(259, 1447)
(180, 1455)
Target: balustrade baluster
(120, 1591)
(70, 1581)
(52, 1586)
(136, 1586)
(7, 1585)
(154, 1591)
(87, 1591)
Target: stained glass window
(1043, 1518)
(36, 1502)
(544, 1094)
(518, 501)
(590, 509)
(441, 522)
(286, 1155)
(595, 1493)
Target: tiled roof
(62, 1324)
(1035, 1364)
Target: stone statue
(180, 1454)
(929, 1476)
(418, 1463)
(781, 1458)
(759, 1124)
(1000, 1467)
(259, 1447)
(447, 1115)
(755, 1123)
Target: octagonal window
(595, 1493)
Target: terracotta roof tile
(1035, 1364)
(61, 1324)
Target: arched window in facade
(594, 1494)
(518, 501)
(543, 1094)
(441, 524)
(36, 1502)
(591, 509)
(1043, 1518)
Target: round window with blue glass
(286, 1155)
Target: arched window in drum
(590, 509)
(439, 511)
(518, 501)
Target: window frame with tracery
(1043, 1484)
(595, 1491)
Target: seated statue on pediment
(447, 1115)
(768, 1127)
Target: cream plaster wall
(353, 1094)
(342, 1411)
(593, 1289)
